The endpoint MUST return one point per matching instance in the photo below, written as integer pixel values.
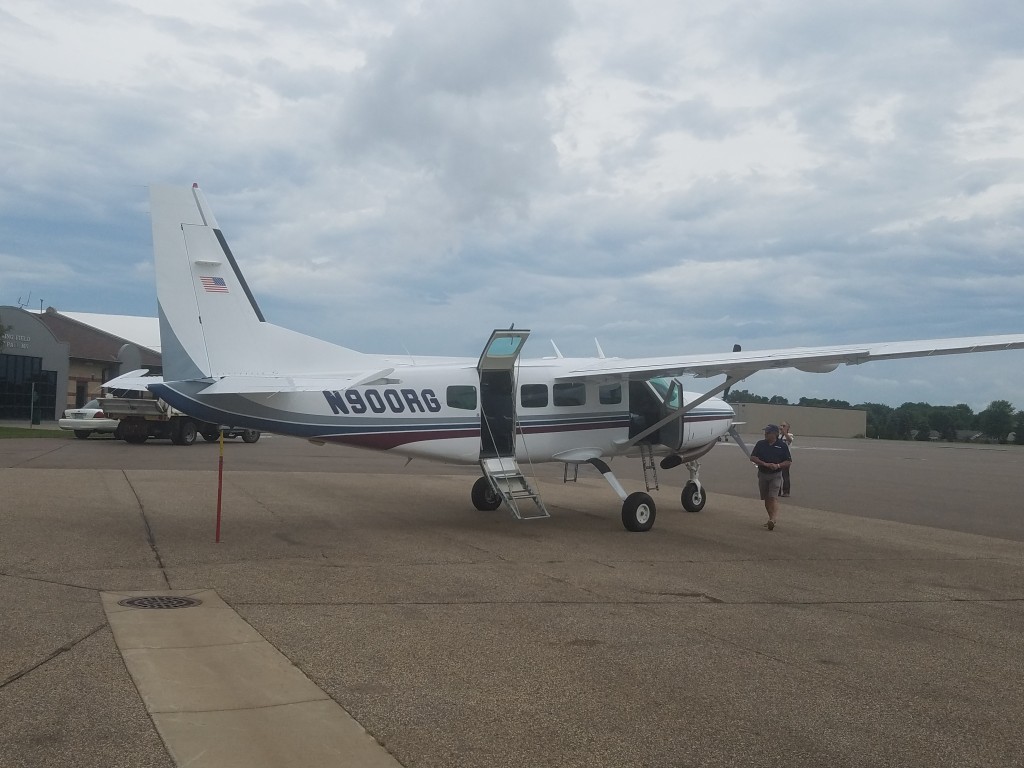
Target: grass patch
(8, 433)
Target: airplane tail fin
(210, 323)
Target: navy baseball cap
(772, 428)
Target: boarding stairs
(650, 467)
(515, 490)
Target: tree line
(918, 421)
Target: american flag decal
(214, 284)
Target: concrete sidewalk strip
(221, 695)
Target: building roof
(143, 331)
(89, 341)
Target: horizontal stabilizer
(241, 385)
(134, 381)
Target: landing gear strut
(638, 509)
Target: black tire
(485, 498)
(210, 437)
(638, 511)
(693, 497)
(183, 431)
(83, 434)
(134, 431)
(250, 435)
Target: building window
(21, 378)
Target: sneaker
(770, 525)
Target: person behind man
(787, 437)
(771, 456)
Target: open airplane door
(496, 369)
(497, 393)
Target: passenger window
(533, 395)
(463, 397)
(611, 394)
(572, 393)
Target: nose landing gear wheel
(638, 512)
(484, 496)
(693, 497)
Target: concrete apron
(221, 696)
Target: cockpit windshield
(663, 385)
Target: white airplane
(224, 363)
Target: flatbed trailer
(143, 418)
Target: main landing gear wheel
(485, 498)
(693, 497)
(638, 512)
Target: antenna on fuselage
(600, 352)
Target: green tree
(897, 425)
(877, 415)
(946, 421)
(1018, 428)
(743, 396)
(996, 421)
(916, 412)
(965, 416)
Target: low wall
(811, 422)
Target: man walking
(786, 436)
(771, 456)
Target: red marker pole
(220, 484)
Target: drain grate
(159, 601)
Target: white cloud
(661, 175)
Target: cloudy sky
(665, 176)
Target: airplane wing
(240, 384)
(739, 365)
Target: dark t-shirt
(772, 453)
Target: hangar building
(60, 360)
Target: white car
(86, 420)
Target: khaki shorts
(769, 484)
